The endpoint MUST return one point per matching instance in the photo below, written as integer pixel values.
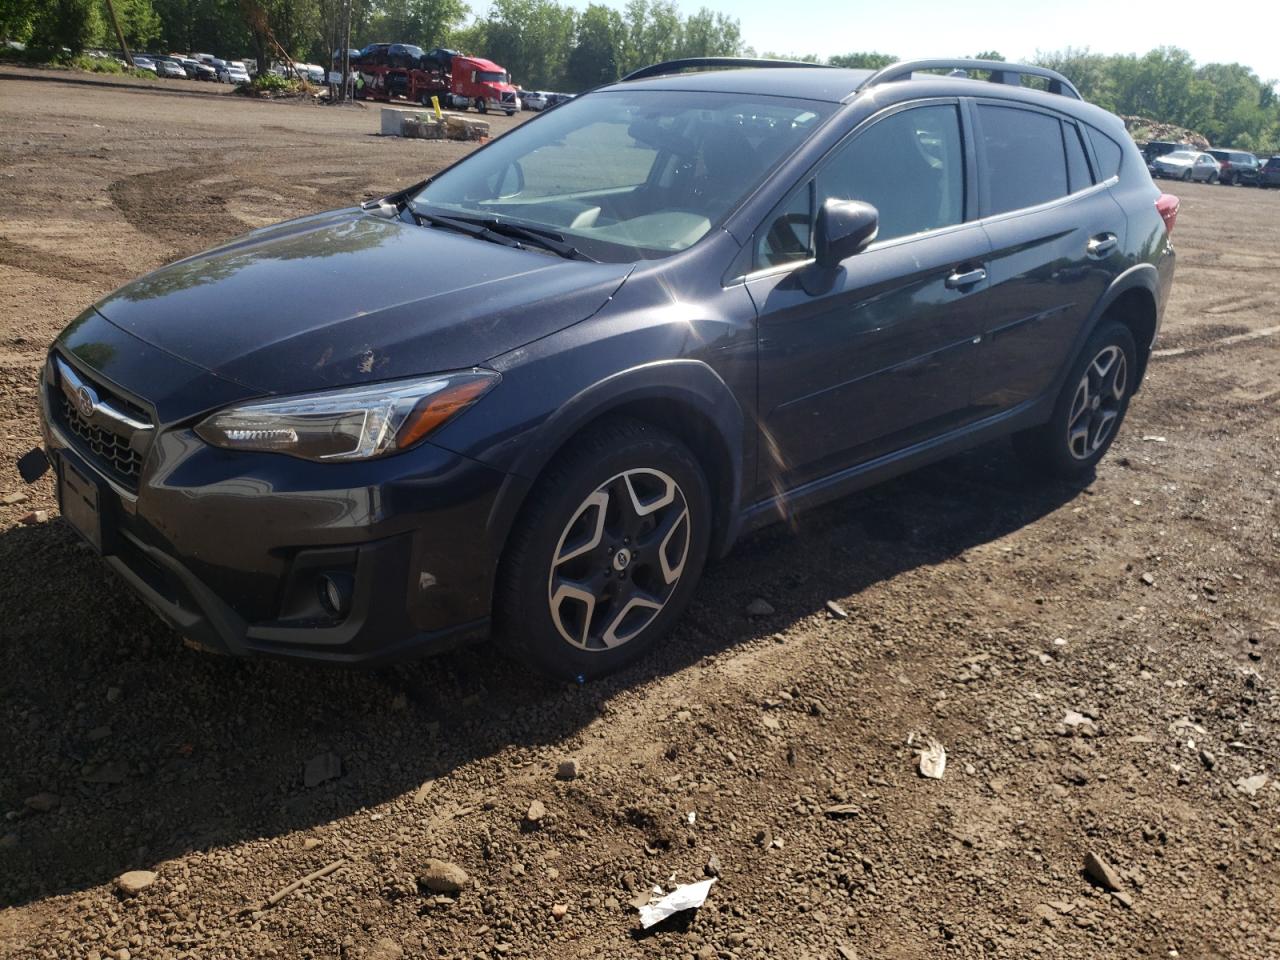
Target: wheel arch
(1132, 300)
(684, 397)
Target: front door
(876, 359)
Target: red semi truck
(395, 71)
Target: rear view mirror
(844, 227)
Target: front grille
(105, 443)
(108, 449)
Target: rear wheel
(1089, 410)
(606, 554)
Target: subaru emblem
(86, 403)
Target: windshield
(628, 174)
(490, 76)
(1180, 155)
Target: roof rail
(1011, 73)
(675, 66)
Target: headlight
(357, 423)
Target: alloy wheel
(619, 559)
(1098, 402)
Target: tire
(572, 600)
(1212, 178)
(1094, 399)
(511, 113)
(1186, 176)
(482, 105)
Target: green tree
(863, 61)
(69, 24)
(532, 39)
(594, 57)
(427, 23)
(710, 34)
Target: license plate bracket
(80, 501)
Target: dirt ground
(1099, 663)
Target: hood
(348, 297)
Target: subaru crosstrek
(533, 395)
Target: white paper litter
(933, 759)
(689, 897)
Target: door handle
(1102, 244)
(966, 278)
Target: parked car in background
(533, 100)
(170, 68)
(144, 63)
(540, 390)
(1236, 166)
(1269, 175)
(555, 99)
(1158, 148)
(233, 71)
(205, 72)
(1186, 165)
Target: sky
(912, 29)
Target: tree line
(549, 45)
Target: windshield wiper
(548, 239)
(478, 231)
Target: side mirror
(844, 227)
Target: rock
(135, 881)
(712, 869)
(837, 611)
(440, 876)
(1250, 786)
(536, 812)
(113, 771)
(1074, 773)
(385, 949)
(114, 694)
(43, 802)
(1046, 913)
(1208, 759)
(311, 843)
(423, 791)
(1122, 898)
(1101, 872)
(321, 767)
(559, 910)
(36, 516)
(1148, 579)
(706, 952)
(568, 769)
(759, 607)
(10, 499)
(9, 841)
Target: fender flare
(1141, 276)
(690, 383)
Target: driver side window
(909, 166)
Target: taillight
(1167, 207)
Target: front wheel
(1186, 176)
(606, 554)
(1089, 410)
(482, 105)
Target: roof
(804, 83)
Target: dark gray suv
(534, 394)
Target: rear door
(1057, 237)
(877, 357)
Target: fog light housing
(334, 590)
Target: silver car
(1186, 165)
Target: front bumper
(227, 547)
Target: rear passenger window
(1078, 175)
(1108, 153)
(1025, 162)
